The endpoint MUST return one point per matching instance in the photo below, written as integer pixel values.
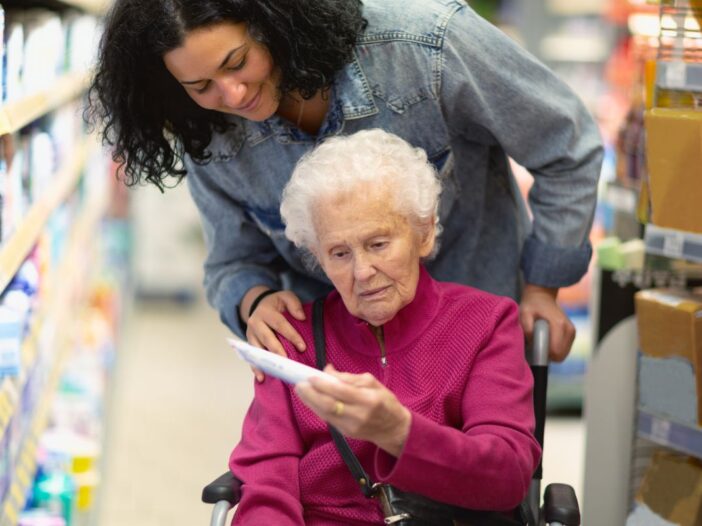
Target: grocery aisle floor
(178, 401)
(176, 409)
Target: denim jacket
(441, 77)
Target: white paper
(272, 364)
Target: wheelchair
(560, 505)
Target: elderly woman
(435, 391)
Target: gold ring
(339, 408)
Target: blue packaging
(11, 331)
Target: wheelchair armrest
(561, 505)
(226, 487)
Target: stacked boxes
(670, 384)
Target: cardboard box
(670, 327)
(674, 158)
(672, 488)
(670, 323)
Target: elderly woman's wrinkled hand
(359, 407)
(268, 319)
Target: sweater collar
(408, 324)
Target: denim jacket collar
(351, 98)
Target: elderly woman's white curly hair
(342, 164)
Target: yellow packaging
(674, 157)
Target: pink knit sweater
(455, 358)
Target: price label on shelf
(660, 429)
(673, 243)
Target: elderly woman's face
(369, 252)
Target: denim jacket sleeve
(239, 255)
(489, 81)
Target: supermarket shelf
(673, 243)
(55, 300)
(8, 401)
(25, 463)
(577, 7)
(98, 7)
(684, 438)
(11, 386)
(15, 115)
(679, 75)
(15, 250)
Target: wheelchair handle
(538, 360)
(540, 343)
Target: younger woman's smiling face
(222, 68)
(370, 252)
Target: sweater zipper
(383, 357)
(378, 333)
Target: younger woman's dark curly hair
(145, 114)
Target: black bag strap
(367, 487)
(342, 445)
